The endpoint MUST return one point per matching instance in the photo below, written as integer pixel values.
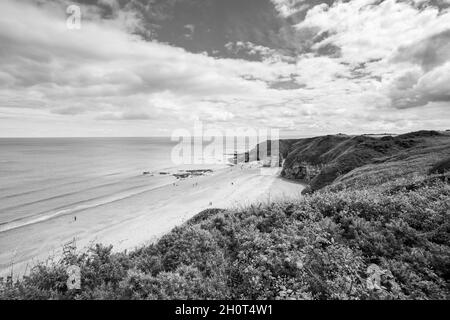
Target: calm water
(46, 177)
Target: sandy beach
(132, 221)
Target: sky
(150, 67)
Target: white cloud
(266, 54)
(415, 88)
(367, 30)
(105, 69)
(59, 81)
(393, 42)
(287, 8)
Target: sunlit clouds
(358, 66)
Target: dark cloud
(130, 115)
(414, 89)
(216, 23)
(135, 116)
(69, 110)
(441, 4)
(431, 81)
(428, 53)
(286, 84)
(330, 50)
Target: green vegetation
(391, 214)
(340, 154)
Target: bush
(323, 246)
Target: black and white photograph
(225, 150)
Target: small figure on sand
(75, 218)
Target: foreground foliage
(317, 248)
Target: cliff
(322, 160)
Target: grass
(339, 155)
(390, 215)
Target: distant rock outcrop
(301, 171)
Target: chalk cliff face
(301, 171)
(320, 161)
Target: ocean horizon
(42, 178)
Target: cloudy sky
(147, 67)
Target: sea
(41, 178)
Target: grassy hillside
(379, 231)
(323, 160)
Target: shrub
(319, 247)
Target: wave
(66, 194)
(73, 208)
(28, 192)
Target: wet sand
(144, 217)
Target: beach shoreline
(143, 217)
